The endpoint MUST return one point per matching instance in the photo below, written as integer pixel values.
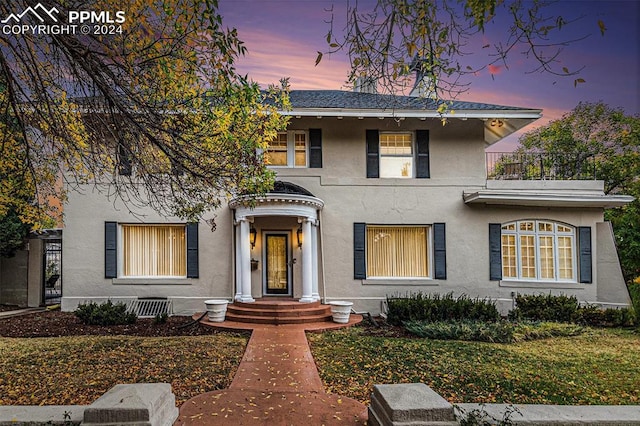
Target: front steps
(278, 311)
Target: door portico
(291, 214)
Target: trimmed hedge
(597, 317)
(434, 307)
(105, 314)
(546, 307)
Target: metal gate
(52, 274)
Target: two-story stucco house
(374, 197)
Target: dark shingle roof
(338, 99)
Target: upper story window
(288, 149)
(396, 155)
(538, 250)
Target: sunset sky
(283, 37)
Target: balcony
(540, 166)
(542, 180)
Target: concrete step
(278, 311)
(277, 319)
(277, 304)
(242, 310)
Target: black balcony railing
(539, 166)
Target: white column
(238, 263)
(245, 261)
(314, 261)
(307, 262)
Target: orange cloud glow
(271, 57)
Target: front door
(277, 276)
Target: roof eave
(532, 114)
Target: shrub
(161, 318)
(545, 307)
(427, 307)
(492, 332)
(597, 317)
(623, 317)
(526, 331)
(105, 314)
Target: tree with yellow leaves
(141, 99)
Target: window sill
(401, 282)
(542, 285)
(152, 281)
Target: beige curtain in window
(528, 256)
(154, 250)
(547, 261)
(397, 251)
(276, 262)
(509, 265)
(300, 149)
(565, 257)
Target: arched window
(538, 250)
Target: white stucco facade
(317, 227)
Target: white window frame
(413, 155)
(537, 233)
(291, 150)
(428, 248)
(121, 251)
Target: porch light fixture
(252, 237)
(299, 235)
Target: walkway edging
(418, 404)
(140, 404)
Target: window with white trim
(396, 155)
(397, 251)
(538, 250)
(288, 149)
(153, 251)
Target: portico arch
(287, 200)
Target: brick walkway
(277, 383)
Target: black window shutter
(110, 249)
(124, 160)
(315, 148)
(422, 156)
(192, 250)
(439, 251)
(373, 149)
(584, 257)
(495, 251)
(359, 262)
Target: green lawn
(599, 367)
(77, 370)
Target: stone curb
(140, 404)
(416, 404)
